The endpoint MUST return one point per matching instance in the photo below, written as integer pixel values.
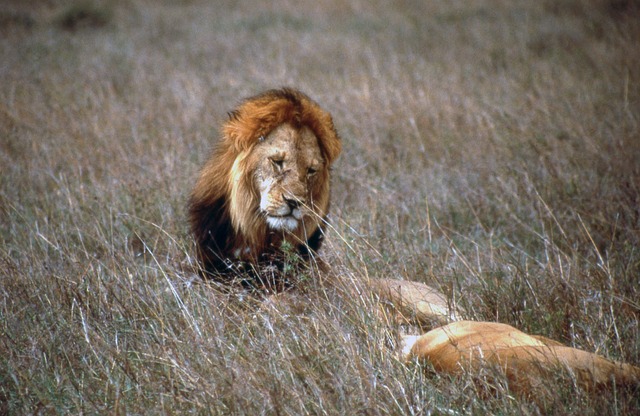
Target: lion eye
(277, 163)
(311, 171)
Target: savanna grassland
(491, 150)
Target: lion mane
(226, 209)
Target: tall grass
(492, 150)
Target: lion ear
(321, 123)
(330, 141)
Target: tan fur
(527, 361)
(408, 302)
(275, 153)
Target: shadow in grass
(15, 21)
(84, 16)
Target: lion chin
(266, 185)
(286, 223)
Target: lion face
(289, 165)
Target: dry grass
(492, 149)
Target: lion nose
(292, 202)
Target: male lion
(265, 188)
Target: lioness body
(267, 182)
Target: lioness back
(265, 187)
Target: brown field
(491, 150)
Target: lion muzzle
(285, 216)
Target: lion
(266, 187)
(527, 361)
